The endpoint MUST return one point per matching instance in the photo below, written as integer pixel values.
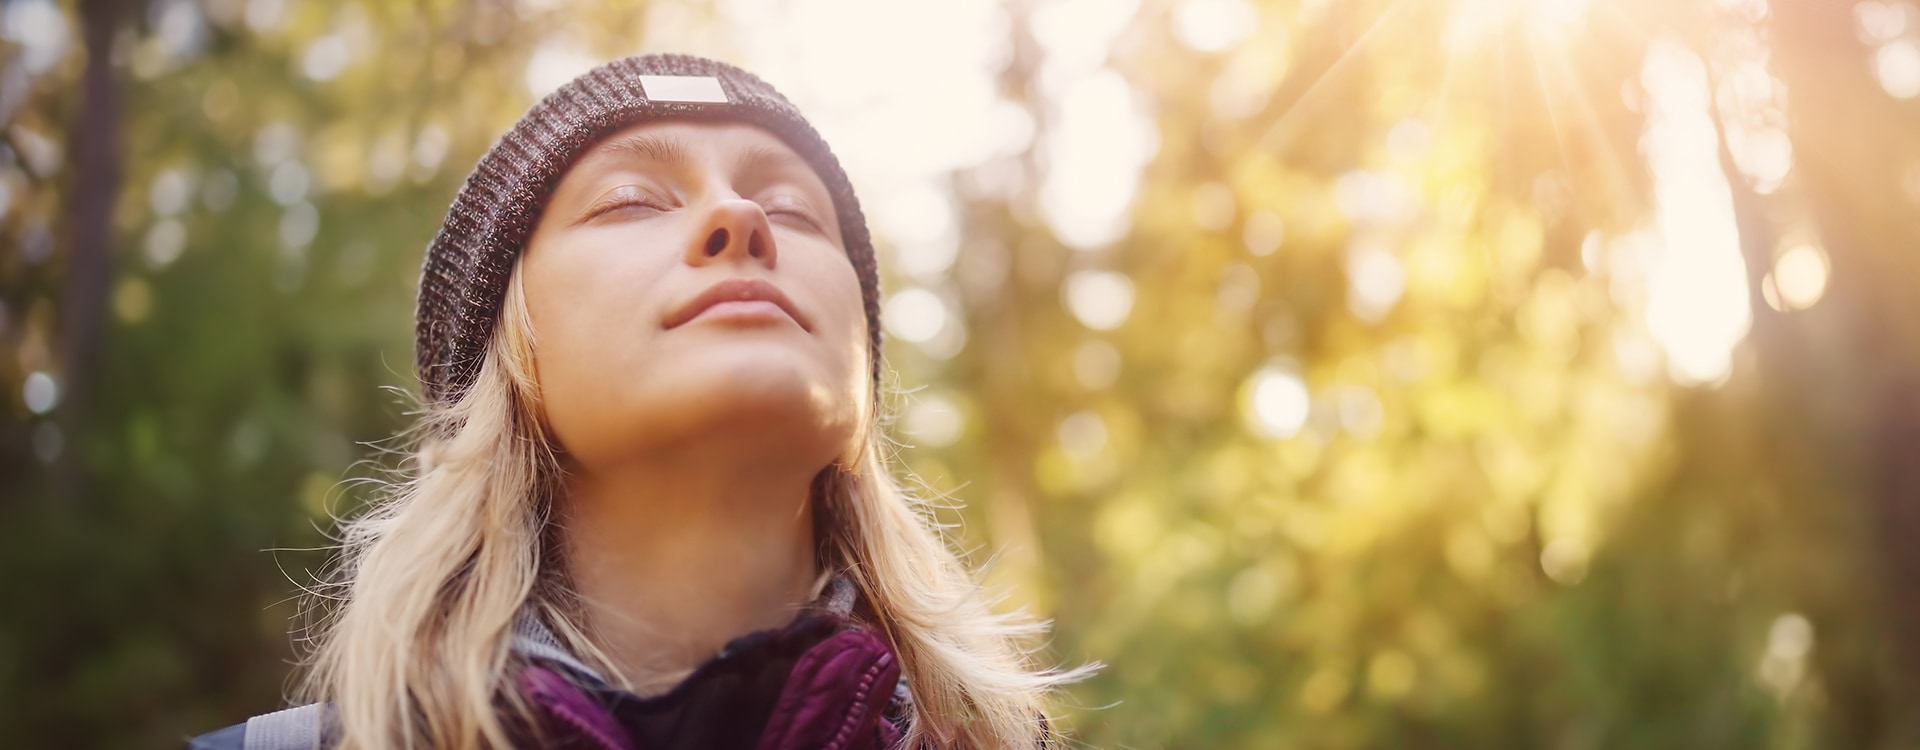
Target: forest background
(1341, 373)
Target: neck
(673, 560)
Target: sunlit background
(1340, 373)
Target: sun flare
(1477, 22)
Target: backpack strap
(297, 728)
(306, 727)
(533, 639)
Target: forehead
(675, 140)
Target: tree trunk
(89, 262)
(1853, 145)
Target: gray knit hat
(464, 277)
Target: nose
(737, 230)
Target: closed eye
(794, 210)
(625, 202)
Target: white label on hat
(699, 89)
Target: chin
(766, 401)
(778, 391)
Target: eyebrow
(648, 148)
(757, 159)
(760, 159)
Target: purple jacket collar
(823, 682)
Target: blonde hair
(413, 650)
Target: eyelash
(622, 200)
(795, 209)
(626, 199)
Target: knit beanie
(464, 278)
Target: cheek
(855, 344)
(838, 292)
(851, 363)
(592, 311)
(574, 302)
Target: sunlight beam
(1281, 131)
(1617, 182)
(1553, 111)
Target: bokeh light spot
(1263, 233)
(1783, 665)
(1897, 65)
(1095, 152)
(1083, 435)
(915, 315)
(1077, 34)
(299, 225)
(274, 143)
(429, 147)
(553, 64)
(325, 58)
(1361, 413)
(933, 421)
(289, 183)
(1697, 305)
(1565, 561)
(1100, 300)
(919, 219)
(265, 15)
(39, 28)
(164, 242)
(40, 392)
(1375, 281)
(1790, 637)
(1238, 292)
(170, 192)
(1278, 402)
(1800, 277)
(1214, 25)
(1254, 592)
(1880, 21)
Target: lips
(737, 290)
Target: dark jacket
(823, 681)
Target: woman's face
(689, 290)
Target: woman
(650, 506)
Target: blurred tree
(1411, 247)
(1853, 378)
(286, 163)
